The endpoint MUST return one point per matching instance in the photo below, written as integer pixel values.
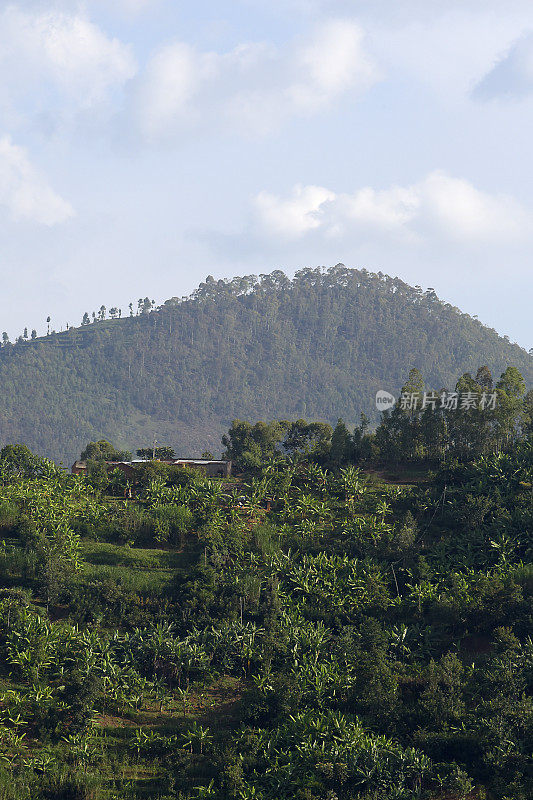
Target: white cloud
(60, 51)
(24, 193)
(295, 216)
(389, 209)
(459, 211)
(172, 78)
(254, 87)
(331, 63)
(438, 207)
(447, 45)
(511, 76)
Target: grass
(402, 475)
(103, 553)
(138, 569)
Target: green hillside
(317, 346)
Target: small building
(209, 467)
(79, 468)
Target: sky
(146, 144)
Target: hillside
(302, 634)
(318, 346)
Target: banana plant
(196, 736)
(206, 791)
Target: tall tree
(510, 391)
(341, 443)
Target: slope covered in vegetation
(319, 346)
(301, 633)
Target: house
(209, 467)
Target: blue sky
(146, 143)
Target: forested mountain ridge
(317, 346)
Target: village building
(208, 467)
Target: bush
(9, 515)
(173, 522)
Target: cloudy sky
(147, 143)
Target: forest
(306, 629)
(318, 347)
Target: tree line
(423, 426)
(144, 306)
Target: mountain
(318, 346)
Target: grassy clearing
(134, 568)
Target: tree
(307, 438)
(34, 334)
(18, 459)
(341, 443)
(249, 446)
(399, 435)
(484, 379)
(510, 391)
(86, 319)
(104, 451)
(97, 474)
(527, 418)
(433, 433)
(362, 440)
(164, 453)
(468, 427)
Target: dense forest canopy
(318, 346)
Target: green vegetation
(317, 347)
(301, 631)
(424, 428)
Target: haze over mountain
(318, 346)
